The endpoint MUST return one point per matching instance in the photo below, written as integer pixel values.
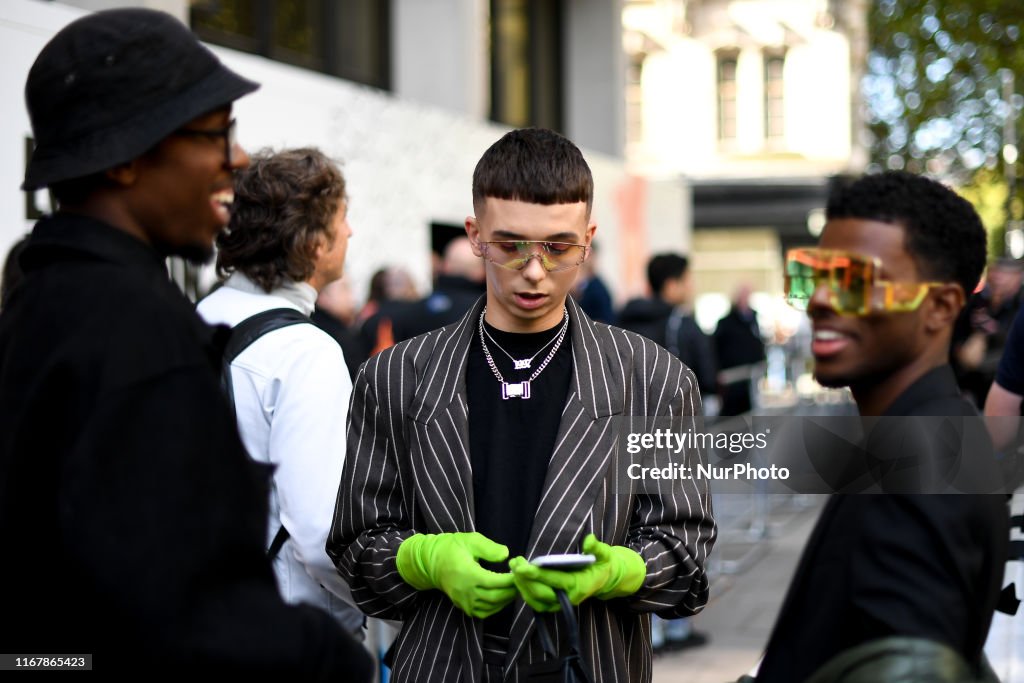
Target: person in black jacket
(897, 257)
(459, 285)
(665, 317)
(335, 314)
(738, 346)
(134, 519)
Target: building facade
(757, 103)
(407, 94)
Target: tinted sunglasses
(515, 254)
(852, 280)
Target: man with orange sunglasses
(898, 582)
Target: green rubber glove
(450, 562)
(617, 572)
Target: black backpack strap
(242, 336)
(249, 330)
(279, 538)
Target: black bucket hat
(111, 85)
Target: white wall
(178, 8)
(25, 26)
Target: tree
(934, 88)
(987, 192)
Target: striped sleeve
(673, 530)
(370, 516)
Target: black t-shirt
(511, 440)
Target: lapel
(578, 466)
(439, 430)
(583, 448)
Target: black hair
(533, 165)
(944, 234)
(664, 267)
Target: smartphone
(567, 562)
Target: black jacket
(738, 340)
(452, 297)
(923, 566)
(679, 333)
(134, 522)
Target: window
(526, 62)
(346, 38)
(727, 97)
(774, 129)
(634, 98)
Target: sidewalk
(743, 605)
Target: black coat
(738, 342)
(927, 566)
(134, 523)
(679, 333)
(452, 297)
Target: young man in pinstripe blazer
(493, 438)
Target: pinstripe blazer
(408, 471)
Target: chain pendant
(522, 364)
(515, 390)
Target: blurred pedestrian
(592, 293)
(667, 318)
(459, 284)
(335, 314)
(739, 350)
(983, 327)
(392, 294)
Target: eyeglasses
(854, 287)
(515, 254)
(229, 134)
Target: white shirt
(292, 391)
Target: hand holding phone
(607, 572)
(564, 562)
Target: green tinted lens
(800, 282)
(850, 284)
(849, 278)
(558, 256)
(847, 287)
(509, 254)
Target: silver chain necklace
(520, 389)
(519, 364)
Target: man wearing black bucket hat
(133, 521)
